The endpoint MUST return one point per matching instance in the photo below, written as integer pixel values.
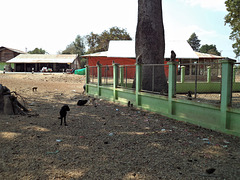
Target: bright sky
(53, 24)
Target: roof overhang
(126, 49)
(44, 58)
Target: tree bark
(150, 44)
(1, 98)
(8, 106)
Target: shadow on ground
(110, 141)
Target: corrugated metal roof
(11, 49)
(207, 56)
(126, 49)
(122, 48)
(98, 54)
(43, 58)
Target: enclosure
(210, 98)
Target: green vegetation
(232, 18)
(194, 42)
(37, 51)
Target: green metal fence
(224, 117)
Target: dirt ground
(109, 141)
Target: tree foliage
(194, 42)
(98, 43)
(210, 49)
(233, 19)
(92, 41)
(37, 51)
(76, 47)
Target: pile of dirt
(104, 140)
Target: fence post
(99, 74)
(87, 77)
(183, 73)
(138, 83)
(122, 75)
(209, 70)
(171, 85)
(226, 91)
(115, 80)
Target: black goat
(63, 113)
(189, 95)
(82, 102)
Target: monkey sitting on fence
(173, 56)
(63, 114)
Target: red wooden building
(123, 53)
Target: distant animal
(139, 59)
(129, 104)
(34, 89)
(189, 95)
(63, 113)
(84, 88)
(92, 101)
(82, 102)
(98, 63)
(211, 170)
(173, 56)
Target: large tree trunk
(150, 44)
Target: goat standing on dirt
(63, 114)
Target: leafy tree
(194, 42)
(98, 43)
(37, 51)
(210, 49)
(92, 42)
(76, 47)
(150, 44)
(233, 19)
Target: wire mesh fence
(154, 78)
(93, 75)
(107, 75)
(200, 82)
(236, 86)
(126, 76)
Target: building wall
(7, 54)
(92, 61)
(108, 71)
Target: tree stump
(1, 99)
(8, 105)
